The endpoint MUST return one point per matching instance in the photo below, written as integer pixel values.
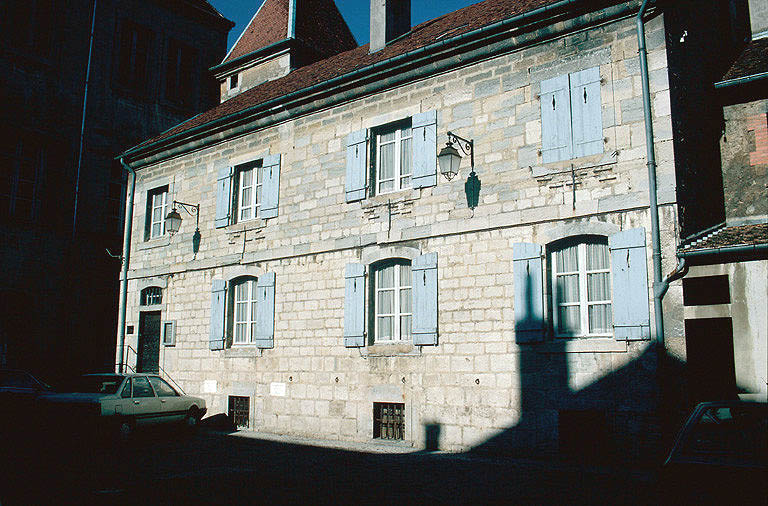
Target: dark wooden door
(148, 359)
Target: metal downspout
(658, 290)
(131, 186)
(82, 122)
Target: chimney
(389, 20)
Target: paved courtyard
(217, 468)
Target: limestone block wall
(477, 384)
(744, 152)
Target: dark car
(19, 393)
(720, 455)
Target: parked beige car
(126, 401)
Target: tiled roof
(269, 25)
(752, 60)
(449, 25)
(320, 26)
(724, 237)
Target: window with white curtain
(581, 288)
(157, 210)
(392, 301)
(244, 320)
(393, 158)
(248, 194)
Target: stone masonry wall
(744, 148)
(477, 384)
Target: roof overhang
(524, 30)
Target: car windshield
(96, 384)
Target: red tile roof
(752, 60)
(442, 28)
(269, 25)
(320, 26)
(743, 235)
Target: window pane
(387, 162)
(241, 291)
(597, 256)
(599, 286)
(240, 333)
(405, 300)
(385, 303)
(386, 186)
(405, 132)
(156, 230)
(569, 320)
(384, 328)
(258, 195)
(600, 319)
(240, 311)
(245, 199)
(141, 387)
(246, 178)
(405, 157)
(253, 331)
(387, 137)
(386, 277)
(405, 275)
(568, 288)
(405, 327)
(567, 259)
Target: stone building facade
(68, 106)
(351, 309)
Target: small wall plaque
(129, 329)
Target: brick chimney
(389, 20)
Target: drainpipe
(131, 186)
(82, 122)
(658, 286)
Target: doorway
(148, 354)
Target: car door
(146, 405)
(173, 406)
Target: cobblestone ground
(215, 468)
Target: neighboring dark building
(726, 287)
(62, 194)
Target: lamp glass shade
(449, 160)
(173, 222)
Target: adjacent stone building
(726, 286)
(68, 103)
(342, 287)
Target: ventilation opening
(389, 420)
(239, 410)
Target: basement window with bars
(389, 420)
(239, 410)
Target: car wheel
(125, 429)
(192, 419)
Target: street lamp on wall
(173, 222)
(449, 160)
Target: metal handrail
(163, 371)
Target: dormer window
(234, 81)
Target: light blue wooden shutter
(357, 149)
(586, 113)
(529, 295)
(223, 196)
(354, 306)
(424, 291)
(270, 190)
(631, 315)
(218, 300)
(556, 142)
(424, 149)
(265, 311)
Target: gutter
(659, 289)
(724, 250)
(127, 226)
(741, 80)
(448, 42)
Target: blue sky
(355, 13)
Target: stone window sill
(392, 350)
(157, 242)
(247, 226)
(397, 197)
(242, 352)
(587, 345)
